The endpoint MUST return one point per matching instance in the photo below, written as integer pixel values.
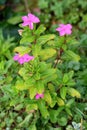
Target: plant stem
(58, 56)
(59, 53)
(81, 124)
(26, 6)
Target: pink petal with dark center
(21, 60)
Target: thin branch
(81, 124)
(58, 56)
(26, 6)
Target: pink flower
(39, 96)
(22, 59)
(64, 29)
(29, 20)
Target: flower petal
(68, 32)
(64, 29)
(37, 96)
(30, 25)
(16, 57)
(33, 18)
(27, 58)
(21, 60)
(69, 26)
(24, 18)
(62, 33)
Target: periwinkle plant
(48, 88)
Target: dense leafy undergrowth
(46, 89)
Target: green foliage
(41, 75)
(65, 12)
(58, 69)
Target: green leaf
(47, 97)
(27, 119)
(43, 39)
(57, 9)
(49, 75)
(42, 66)
(24, 73)
(70, 74)
(32, 91)
(51, 43)
(47, 53)
(63, 91)
(60, 109)
(68, 111)
(2, 64)
(37, 76)
(20, 85)
(8, 65)
(59, 41)
(14, 20)
(65, 78)
(50, 78)
(22, 50)
(40, 30)
(18, 107)
(27, 39)
(31, 107)
(51, 87)
(43, 4)
(71, 83)
(73, 92)
(70, 102)
(60, 102)
(39, 86)
(32, 127)
(71, 55)
(27, 36)
(36, 49)
(53, 116)
(43, 109)
(71, 41)
(62, 121)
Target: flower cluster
(22, 58)
(29, 20)
(64, 29)
(39, 96)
